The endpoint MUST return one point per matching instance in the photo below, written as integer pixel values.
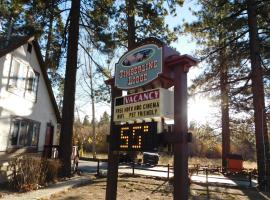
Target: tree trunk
(225, 120)
(69, 90)
(262, 142)
(131, 23)
(10, 29)
(49, 39)
(93, 110)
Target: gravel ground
(146, 188)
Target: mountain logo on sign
(137, 57)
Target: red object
(234, 163)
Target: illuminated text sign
(135, 137)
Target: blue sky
(185, 45)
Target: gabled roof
(13, 43)
(17, 41)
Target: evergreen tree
(262, 139)
(237, 24)
(128, 22)
(69, 90)
(86, 121)
(41, 18)
(212, 33)
(105, 119)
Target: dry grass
(146, 188)
(250, 164)
(204, 161)
(98, 155)
(166, 159)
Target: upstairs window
(23, 80)
(14, 74)
(32, 82)
(29, 47)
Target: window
(14, 74)
(17, 76)
(23, 80)
(32, 81)
(29, 47)
(24, 132)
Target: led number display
(135, 137)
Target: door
(48, 140)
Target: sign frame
(139, 67)
(176, 66)
(146, 104)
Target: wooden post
(206, 175)
(250, 179)
(113, 157)
(181, 182)
(98, 168)
(133, 168)
(168, 175)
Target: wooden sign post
(113, 156)
(149, 67)
(180, 149)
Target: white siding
(14, 104)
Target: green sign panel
(138, 67)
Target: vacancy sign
(147, 104)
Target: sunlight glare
(200, 110)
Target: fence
(244, 176)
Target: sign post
(113, 156)
(181, 183)
(146, 72)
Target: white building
(28, 110)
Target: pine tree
(128, 22)
(213, 36)
(69, 90)
(243, 47)
(86, 121)
(40, 18)
(105, 119)
(262, 139)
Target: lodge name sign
(138, 67)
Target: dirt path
(145, 188)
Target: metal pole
(181, 182)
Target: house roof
(16, 42)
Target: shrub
(52, 170)
(30, 172)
